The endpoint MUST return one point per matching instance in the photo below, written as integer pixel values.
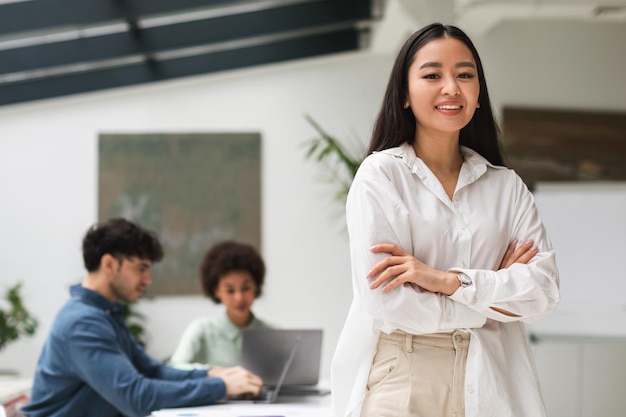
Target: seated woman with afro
(232, 274)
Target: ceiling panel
(50, 48)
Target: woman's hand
(520, 255)
(400, 268)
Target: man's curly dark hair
(122, 239)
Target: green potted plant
(15, 320)
(134, 320)
(340, 161)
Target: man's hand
(238, 380)
(215, 370)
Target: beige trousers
(417, 376)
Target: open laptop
(264, 351)
(269, 393)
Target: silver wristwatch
(465, 280)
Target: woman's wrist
(450, 283)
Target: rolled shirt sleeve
(530, 291)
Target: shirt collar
(95, 299)
(231, 330)
(476, 165)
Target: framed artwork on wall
(192, 190)
(565, 145)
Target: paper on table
(252, 410)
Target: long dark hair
(396, 125)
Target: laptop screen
(265, 352)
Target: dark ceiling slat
(45, 14)
(215, 30)
(345, 40)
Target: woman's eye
(431, 76)
(466, 75)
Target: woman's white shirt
(395, 198)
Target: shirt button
(462, 227)
(470, 389)
(463, 264)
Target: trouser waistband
(450, 340)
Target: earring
(406, 105)
(478, 105)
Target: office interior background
(542, 54)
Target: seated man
(90, 364)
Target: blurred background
(74, 73)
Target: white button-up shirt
(395, 198)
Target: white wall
(556, 64)
(48, 164)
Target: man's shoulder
(74, 313)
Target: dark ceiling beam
(150, 40)
(40, 15)
(327, 43)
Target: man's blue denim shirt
(92, 366)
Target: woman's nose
(450, 87)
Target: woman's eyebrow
(439, 65)
(465, 64)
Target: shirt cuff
(465, 295)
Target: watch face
(465, 280)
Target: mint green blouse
(211, 341)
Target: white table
(12, 387)
(286, 406)
(14, 392)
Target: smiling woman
(449, 255)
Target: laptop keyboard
(265, 395)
